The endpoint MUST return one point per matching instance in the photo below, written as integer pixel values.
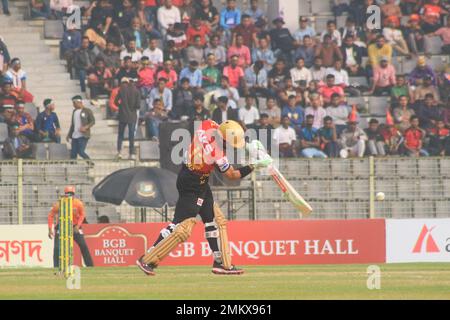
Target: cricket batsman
(206, 153)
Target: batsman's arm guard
(179, 235)
(221, 222)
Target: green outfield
(401, 281)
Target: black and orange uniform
(78, 237)
(204, 155)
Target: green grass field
(401, 281)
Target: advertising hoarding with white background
(418, 240)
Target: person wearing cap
(79, 215)
(421, 71)
(303, 30)
(80, 128)
(17, 146)
(353, 138)
(415, 36)
(394, 37)
(383, 78)
(18, 77)
(47, 123)
(25, 121)
(283, 43)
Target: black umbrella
(139, 187)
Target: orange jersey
(78, 213)
(204, 155)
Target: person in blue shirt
(47, 123)
(295, 113)
(256, 13)
(310, 140)
(230, 17)
(194, 74)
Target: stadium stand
(53, 64)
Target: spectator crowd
(186, 60)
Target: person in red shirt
(78, 219)
(241, 51)
(234, 73)
(414, 139)
(329, 89)
(197, 28)
(168, 73)
(247, 30)
(206, 153)
(146, 77)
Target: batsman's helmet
(233, 134)
(69, 189)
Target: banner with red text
(25, 246)
(251, 243)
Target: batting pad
(181, 233)
(223, 236)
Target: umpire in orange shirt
(78, 237)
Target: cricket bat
(256, 151)
(290, 193)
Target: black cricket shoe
(146, 268)
(219, 269)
